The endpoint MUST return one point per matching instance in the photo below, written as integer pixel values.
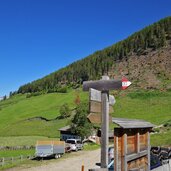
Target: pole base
(98, 169)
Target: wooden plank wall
(139, 163)
(131, 149)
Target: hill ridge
(144, 42)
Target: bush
(65, 111)
(167, 124)
(33, 94)
(62, 90)
(80, 124)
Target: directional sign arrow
(96, 101)
(125, 83)
(96, 107)
(96, 118)
(103, 85)
(95, 95)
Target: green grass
(35, 128)
(152, 106)
(16, 110)
(15, 153)
(91, 146)
(21, 140)
(146, 95)
(161, 139)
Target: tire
(169, 154)
(56, 156)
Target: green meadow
(15, 114)
(16, 153)
(152, 106)
(13, 141)
(16, 127)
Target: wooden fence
(13, 160)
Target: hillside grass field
(15, 114)
(14, 141)
(16, 153)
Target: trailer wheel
(56, 156)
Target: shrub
(62, 90)
(65, 111)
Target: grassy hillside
(16, 111)
(21, 140)
(153, 106)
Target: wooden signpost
(96, 118)
(95, 106)
(104, 86)
(95, 95)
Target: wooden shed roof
(66, 128)
(131, 123)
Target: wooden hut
(132, 145)
(65, 133)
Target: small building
(65, 133)
(132, 145)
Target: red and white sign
(125, 83)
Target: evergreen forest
(101, 62)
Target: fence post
(12, 158)
(3, 161)
(21, 158)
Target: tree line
(92, 67)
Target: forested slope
(144, 54)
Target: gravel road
(71, 163)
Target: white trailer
(50, 149)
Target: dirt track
(72, 163)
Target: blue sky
(38, 37)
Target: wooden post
(105, 129)
(104, 86)
(21, 157)
(3, 161)
(29, 157)
(148, 149)
(123, 155)
(124, 152)
(116, 153)
(12, 158)
(82, 167)
(138, 142)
